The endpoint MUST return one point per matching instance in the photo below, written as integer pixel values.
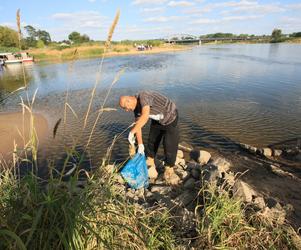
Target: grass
(226, 223)
(60, 215)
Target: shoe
(150, 162)
(170, 177)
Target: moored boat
(10, 58)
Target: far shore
(13, 130)
(94, 51)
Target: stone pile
(293, 154)
(195, 170)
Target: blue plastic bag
(135, 172)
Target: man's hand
(141, 149)
(131, 138)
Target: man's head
(128, 103)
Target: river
(225, 94)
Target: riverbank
(95, 51)
(294, 40)
(15, 129)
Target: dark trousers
(170, 136)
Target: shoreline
(91, 52)
(11, 125)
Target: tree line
(35, 38)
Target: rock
(189, 184)
(185, 147)
(183, 174)
(243, 191)
(180, 154)
(163, 190)
(267, 152)
(259, 202)
(204, 157)
(180, 162)
(253, 149)
(152, 173)
(195, 173)
(222, 164)
(185, 198)
(192, 165)
(277, 152)
(259, 151)
(210, 173)
(249, 148)
(186, 219)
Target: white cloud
(205, 21)
(290, 24)
(91, 1)
(225, 19)
(255, 7)
(196, 11)
(240, 18)
(91, 23)
(82, 19)
(296, 6)
(152, 2)
(162, 19)
(180, 4)
(152, 10)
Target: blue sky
(146, 19)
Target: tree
(76, 37)
(44, 36)
(35, 35)
(31, 31)
(85, 38)
(276, 35)
(8, 37)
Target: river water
(225, 94)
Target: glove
(131, 138)
(141, 149)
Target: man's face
(126, 104)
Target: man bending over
(164, 125)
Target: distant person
(164, 125)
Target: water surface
(225, 94)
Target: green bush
(40, 44)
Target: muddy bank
(15, 128)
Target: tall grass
(226, 223)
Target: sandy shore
(11, 125)
(95, 51)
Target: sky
(151, 19)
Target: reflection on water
(225, 94)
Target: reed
(227, 223)
(110, 35)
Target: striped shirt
(162, 109)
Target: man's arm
(139, 136)
(142, 120)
